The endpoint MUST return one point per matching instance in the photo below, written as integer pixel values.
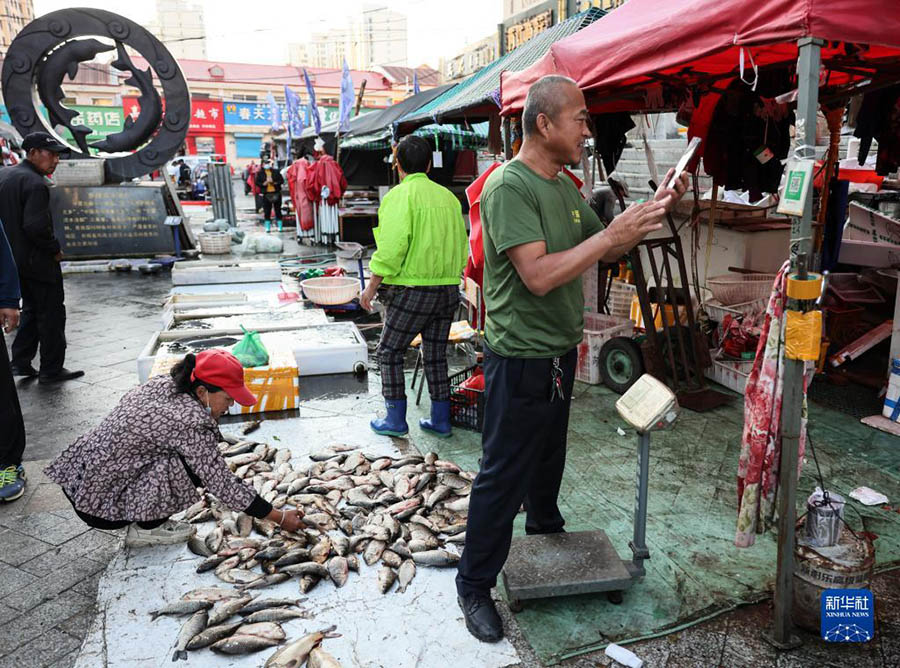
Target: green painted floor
(694, 571)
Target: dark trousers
(43, 322)
(524, 443)
(425, 310)
(12, 425)
(108, 525)
(270, 206)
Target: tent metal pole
(781, 634)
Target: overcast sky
(258, 32)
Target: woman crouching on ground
(144, 462)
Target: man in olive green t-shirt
(539, 237)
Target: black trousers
(108, 525)
(524, 443)
(43, 323)
(269, 206)
(12, 425)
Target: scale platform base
(562, 564)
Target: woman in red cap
(147, 458)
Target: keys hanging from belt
(556, 382)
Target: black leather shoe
(481, 616)
(59, 376)
(27, 371)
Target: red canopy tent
(645, 42)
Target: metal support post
(781, 634)
(639, 544)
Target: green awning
(482, 89)
(452, 137)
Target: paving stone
(697, 644)
(48, 588)
(49, 528)
(17, 548)
(7, 613)
(32, 624)
(89, 586)
(68, 661)
(78, 625)
(45, 650)
(12, 579)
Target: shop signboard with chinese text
(518, 33)
(257, 113)
(111, 221)
(206, 115)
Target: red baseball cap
(222, 369)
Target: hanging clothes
(879, 119)
(758, 466)
(326, 172)
(296, 175)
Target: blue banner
(275, 122)
(346, 106)
(310, 91)
(293, 104)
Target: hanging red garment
(297, 174)
(251, 179)
(475, 264)
(326, 172)
(761, 442)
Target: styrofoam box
(334, 356)
(253, 290)
(218, 274)
(598, 329)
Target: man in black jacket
(25, 213)
(12, 426)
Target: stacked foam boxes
(892, 399)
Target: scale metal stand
(563, 564)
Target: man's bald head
(546, 96)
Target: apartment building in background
(16, 14)
(180, 26)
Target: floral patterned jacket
(130, 466)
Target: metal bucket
(846, 565)
(823, 520)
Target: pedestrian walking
(422, 250)
(146, 459)
(25, 214)
(12, 426)
(269, 181)
(540, 236)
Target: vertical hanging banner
(346, 104)
(292, 107)
(314, 110)
(275, 122)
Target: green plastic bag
(250, 351)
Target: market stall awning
(453, 137)
(647, 42)
(478, 95)
(383, 118)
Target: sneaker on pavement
(169, 533)
(482, 619)
(26, 370)
(12, 483)
(59, 376)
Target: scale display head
(648, 405)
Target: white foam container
(336, 356)
(252, 290)
(222, 273)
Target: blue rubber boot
(280, 225)
(268, 224)
(439, 424)
(394, 423)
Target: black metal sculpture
(54, 45)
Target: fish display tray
(217, 274)
(336, 347)
(252, 290)
(268, 320)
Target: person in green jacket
(422, 251)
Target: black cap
(43, 140)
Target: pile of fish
(394, 513)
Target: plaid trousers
(412, 310)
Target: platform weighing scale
(584, 562)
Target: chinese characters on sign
(206, 115)
(518, 34)
(257, 113)
(125, 220)
(847, 615)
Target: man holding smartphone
(540, 236)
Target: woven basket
(214, 243)
(330, 290)
(740, 288)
